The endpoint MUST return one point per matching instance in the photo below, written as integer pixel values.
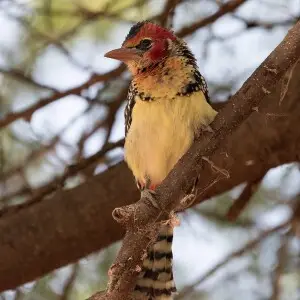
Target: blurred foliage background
(52, 46)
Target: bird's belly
(156, 141)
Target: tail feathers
(155, 282)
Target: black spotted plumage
(198, 82)
(152, 292)
(129, 107)
(155, 280)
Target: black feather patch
(150, 291)
(129, 107)
(134, 30)
(149, 273)
(198, 82)
(155, 255)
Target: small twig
(247, 247)
(17, 74)
(244, 198)
(281, 256)
(220, 218)
(249, 24)
(18, 294)
(167, 13)
(112, 106)
(215, 168)
(68, 286)
(296, 217)
(229, 6)
(28, 112)
(58, 183)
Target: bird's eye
(144, 44)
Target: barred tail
(155, 282)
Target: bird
(167, 106)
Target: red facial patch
(158, 35)
(158, 50)
(152, 31)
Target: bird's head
(145, 45)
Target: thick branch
(74, 223)
(139, 216)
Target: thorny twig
(242, 250)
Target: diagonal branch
(140, 219)
(227, 7)
(28, 112)
(24, 78)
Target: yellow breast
(162, 131)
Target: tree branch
(70, 171)
(30, 237)
(28, 112)
(243, 199)
(17, 74)
(141, 218)
(242, 250)
(228, 7)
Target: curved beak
(123, 54)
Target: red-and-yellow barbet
(167, 105)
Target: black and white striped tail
(155, 282)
